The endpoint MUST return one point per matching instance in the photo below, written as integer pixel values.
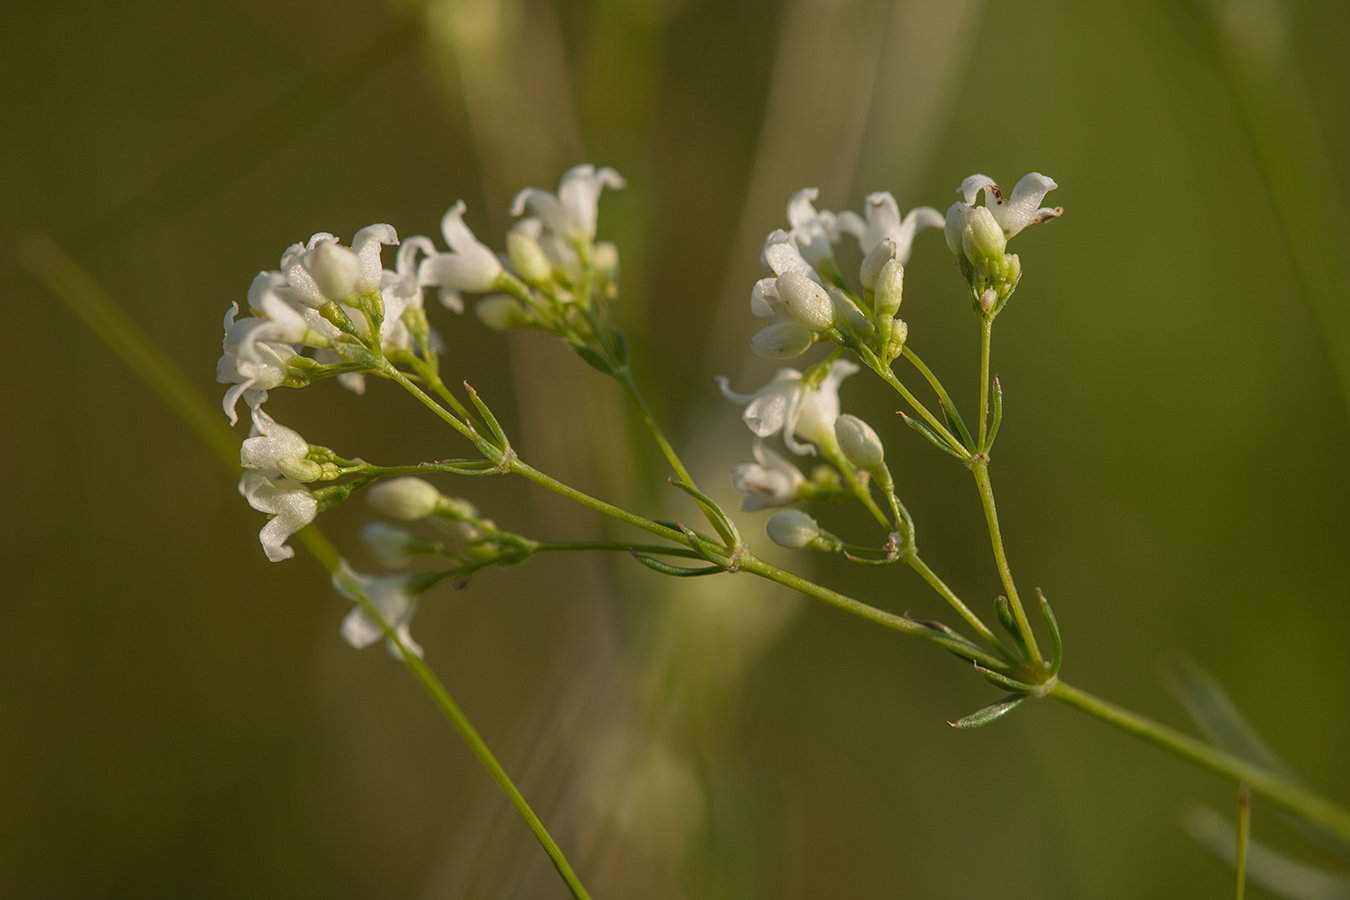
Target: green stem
(889, 377)
(932, 379)
(858, 488)
(980, 467)
(986, 337)
(1292, 797)
(928, 575)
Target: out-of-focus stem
(1244, 833)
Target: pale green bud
(502, 312)
(528, 258)
(873, 263)
(848, 310)
(792, 529)
(335, 270)
(859, 442)
(301, 470)
(782, 340)
(806, 301)
(987, 300)
(890, 286)
(405, 498)
(982, 239)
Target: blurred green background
(179, 718)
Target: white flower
(559, 254)
(406, 498)
(469, 266)
(980, 231)
(767, 482)
(290, 505)
(391, 545)
(814, 231)
(325, 256)
(883, 221)
(392, 600)
(270, 444)
(571, 213)
(257, 348)
(792, 529)
(780, 255)
(787, 405)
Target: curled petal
(367, 244)
(291, 506)
(811, 229)
(764, 299)
(971, 187)
(781, 255)
(1020, 210)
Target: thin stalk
(1244, 834)
(858, 488)
(1292, 797)
(928, 375)
(889, 377)
(981, 469)
(986, 338)
(928, 575)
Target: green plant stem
(986, 338)
(625, 378)
(928, 575)
(928, 375)
(980, 467)
(889, 377)
(1244, 834)
(1292, 797)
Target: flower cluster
(810, 301)
(333, 310)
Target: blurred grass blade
(1218, 718)
(1278, 873)
(1216, 715)
(63, 275)
(990, 713)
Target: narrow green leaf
(956, 425)
(666, 568)
(1055, 639)
(997, 679)
(990, 713)
(1278, 873)
(491, 420)
(725, 527)
(1005, 618)
(947, 632)
(998, 415)
(620, 342)
(595, 360)
(932, 435)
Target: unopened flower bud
(391, 545)
(847, 310)
(987, 299)
(890, 286)
(873, 263)
(899, 331)
(982, 238)
(335, 269)
(806, 301)
(405, 498)
(859, 442)
(782, 340)
(299, 469)
(502, 312)
(528, 258)
(606, 260)
(792, 529)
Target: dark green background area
(178, 717)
